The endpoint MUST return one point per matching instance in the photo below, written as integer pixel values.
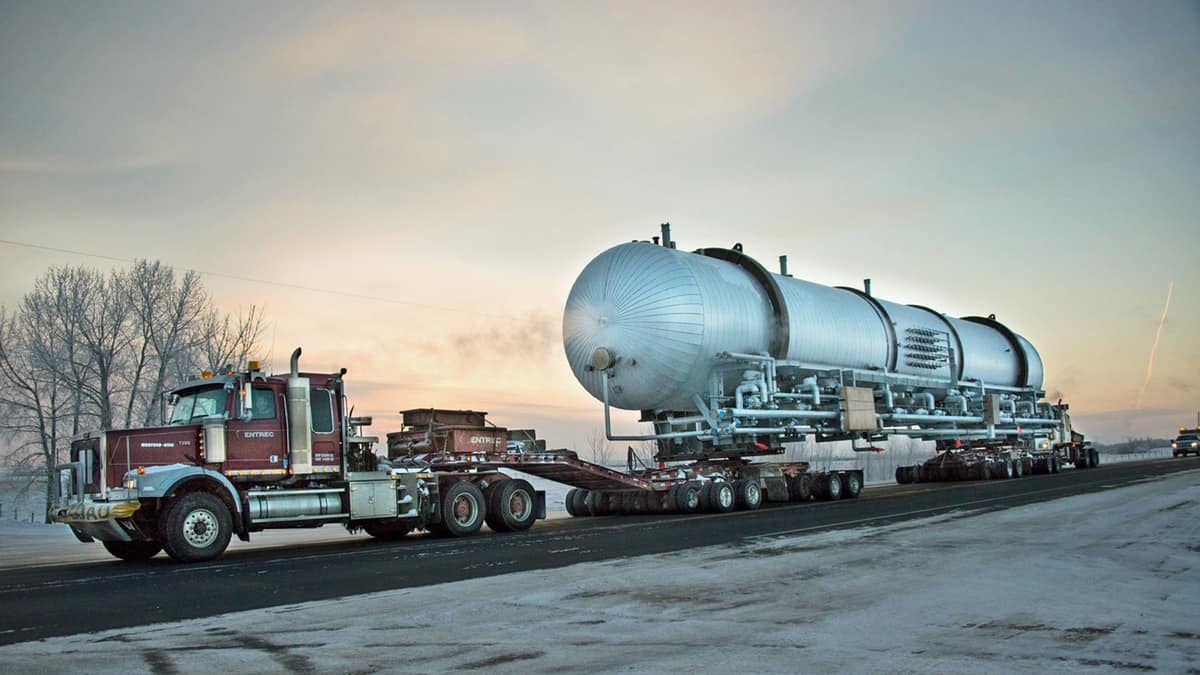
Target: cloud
(413, 41)
(682, 65)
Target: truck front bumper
(104, 520)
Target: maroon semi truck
(246, 451)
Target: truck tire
(853, 485)
(1094, 457)
(569, 502)
(1053, 463)
(687, 497)
(1018, 467)
(386, 530)
(721, 498)
(579, 503)
(903, 475)
(511, 506)
(195, 527)
(595, 502)
(1005, 468)
(463, 509)
(132, 550)
(832, 487)
(800, 488)
(749, 494)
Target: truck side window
(322, 411)
(263, 405)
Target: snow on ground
(1103, 582)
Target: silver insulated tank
(662, 316)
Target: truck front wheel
(463, 509)
(132, 550)
(195, 527)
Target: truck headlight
(130, 480)
(1196, 444)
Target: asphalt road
(45, 601)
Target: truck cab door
(258, 446)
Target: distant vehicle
(1188, 442)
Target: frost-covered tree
(86, 350)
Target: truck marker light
(141, 470)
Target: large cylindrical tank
(666, 314)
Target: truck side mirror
(247, 401)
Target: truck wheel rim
(519, 504)
(725, 497)
(753, 495)
(200, 528)
(464, 510)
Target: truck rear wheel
(132, 550)
(1093, 457)
(195, 527)
(463, 509)
(511, 507)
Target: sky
(442, 172)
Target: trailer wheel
(463, 509)
(721, 498)
(749, 494)
(687, 497)
(595, 502)
(800, 488)
(511, 506)
(386, 531)
(196, 527)
(569, 502)
(1094, 457)
(1018, 467)
(133, 550)
(579, 503)
(903, 475)
(1006, 470)
(832, 487)
(1053, 463)
(853, 485)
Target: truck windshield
(1187, 437)
(197, 404)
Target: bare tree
(86, 350)
(168, 312)
(599, 447)
(34, 403)
(227, 340)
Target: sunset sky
(443, 171)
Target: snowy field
(1107, 582)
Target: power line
(236, 277)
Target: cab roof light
(204, 375)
